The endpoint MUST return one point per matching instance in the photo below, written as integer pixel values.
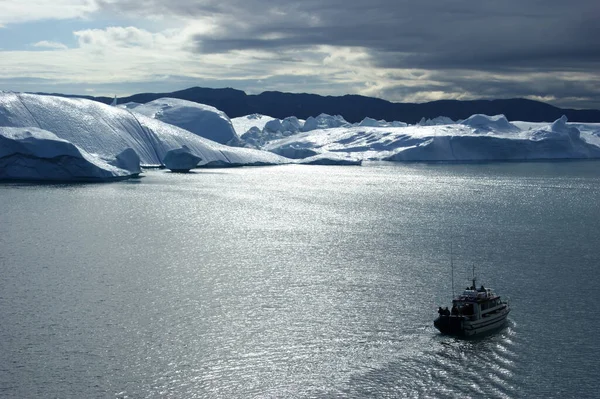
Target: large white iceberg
(479, 138)
(108, 131)
(204, 120)
(37, 154)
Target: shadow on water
(15, 183)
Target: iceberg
(292, 124)
(243, 124)
(273, 129)
(330, 159)
(484, 123)
(107, 131)
(289, 125)
(37, 154)
(440, 120)
(324, 121)
(181, 160)
(273, 126)
(203, 120)
(478, 138)
(370, 122)
(558, 130)
(294, 151)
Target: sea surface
(301, 282)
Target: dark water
(300, 281)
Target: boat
(475, 312)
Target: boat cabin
(475, 302)
(475, 311)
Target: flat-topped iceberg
(470, 148)
(478, 138)
(107, 131)
(37, 154)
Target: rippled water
(300, 281)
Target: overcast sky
(398, 50)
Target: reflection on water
(299, 282)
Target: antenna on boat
(474, 285)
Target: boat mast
(452, 269)
(474, 285)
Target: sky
(398, 50)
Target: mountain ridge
(355, 107)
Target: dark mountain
(354, 108)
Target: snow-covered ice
(204, 120)
(37, 154)
(478, 138)
(370, 122)
(106, 131)
(440, 120)
(243, 124)
(129, 105)
(291, 125)
(273, 130)
(324, 121)
(100, 141)
(484, 123)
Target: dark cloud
(429, 33)
(508, 36)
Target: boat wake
(447, 367)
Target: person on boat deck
(454, 310)
(446, 311)
(482, 289)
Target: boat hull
(461, 326)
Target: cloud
(512, 39)
(427, 34)
(400, 50)
(50, 45)
(119, 37)
(18, 11)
